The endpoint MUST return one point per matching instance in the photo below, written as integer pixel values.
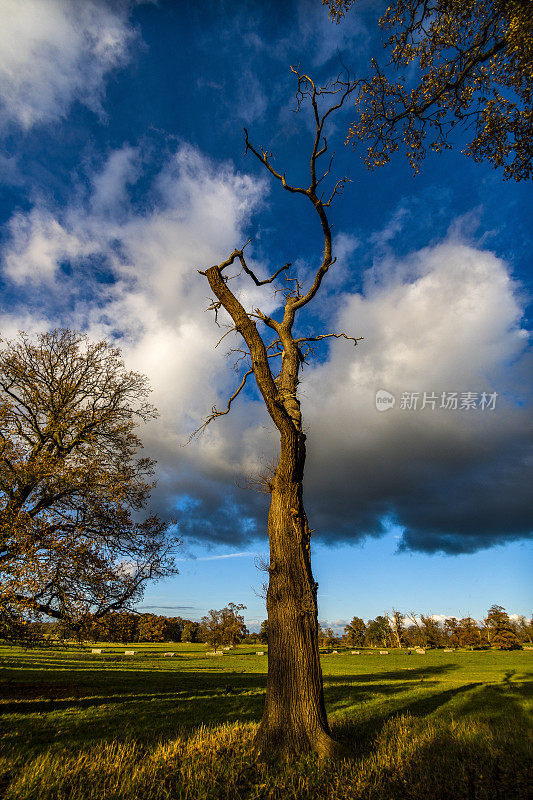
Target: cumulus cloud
(445, 319)
(55, 52)
(118, 272)
(39, 243)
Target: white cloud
(446, 318)
(54, 52)
(39, 243)
(156, 301)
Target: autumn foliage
(72, 487)
(451, 64)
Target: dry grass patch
(409, 758)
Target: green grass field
(440, 725)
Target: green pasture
(58, 705)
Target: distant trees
(426, 630)
(355, 632)
(431, 631)
(500, 630)
(124, 627)
(396, 622)
(191, 632)
(524, 629)
(468, 633)
(451, 631)
(263, 632)
(152, 628)
(71, 483)
(224, 627)
(378, 632)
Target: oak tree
(294, 717)
(500, 629)
(473, 67)
(224, 627)
(355, 632)
(72, 487)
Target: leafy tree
(355, 632)
(173, 629)
(71, 485)
(263, 632)
(474, 62)
(468, 633)
(213, 629)
(151, 628)
(524, 629)
(500, 629)
(432, 631)
(451, 631)
(294, 718)
(191, 631)
(417, 632)
(377, 632)
(233, 624)
(226, 626)
(328, 637)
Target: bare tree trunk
(294, 718)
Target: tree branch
(214, 413)
(328, 336)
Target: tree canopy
(226, 626)
(71, 483)
(452, 63)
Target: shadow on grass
(497, 706)
(404, 674)
(138, 705)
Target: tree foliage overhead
(71, 484)
(472, 62)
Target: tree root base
(275, 745)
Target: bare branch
(214, 413)
(353, 339)
(264, 156)
(232, 329)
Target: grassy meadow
(106, 726)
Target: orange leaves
(69, 479)
(475, 59)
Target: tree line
(397, 629)
(218, 628)
(226, 628)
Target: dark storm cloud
(454, 480)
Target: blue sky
(123, 172)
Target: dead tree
(294, 718)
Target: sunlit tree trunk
(294, 718)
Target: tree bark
(294, 718)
